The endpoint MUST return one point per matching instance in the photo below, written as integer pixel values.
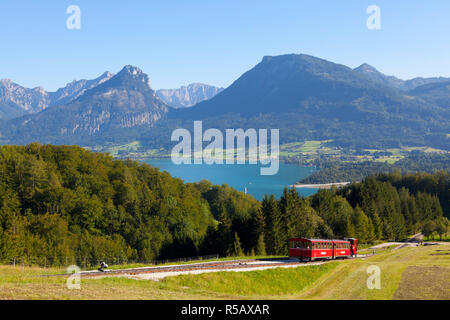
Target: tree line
(340, 171)
(381, 207)
(61, 201)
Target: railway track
(205, 266)
(227, 265)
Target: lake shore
(321, 185)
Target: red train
(313, 249)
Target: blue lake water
(239, 176)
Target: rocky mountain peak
(131, 74)
(366, 68)
(187, 96)
(6, 82)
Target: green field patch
(271, 282)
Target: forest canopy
(64, 201)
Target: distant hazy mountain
(379, 77)
(124, 101)
(10, 110)
(75, 89)
(397, 83)
(188, 96)
(16, 100)
(436, 93)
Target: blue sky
(213, 41)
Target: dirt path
(414, 241)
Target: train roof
(321, 240)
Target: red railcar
(313, 249)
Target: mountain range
(126, 100)
(307, 98)
(16, 100)
(187, 96)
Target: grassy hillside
(336, 280)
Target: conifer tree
(237, 248)
(260, 246)
(273, 234)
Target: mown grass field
(335, 280)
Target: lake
(239, 176)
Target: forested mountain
(187, 96)
(376, 76)
(394, 82)
(314, 99)
(437, 93)
(60, 201)
(298, 83)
